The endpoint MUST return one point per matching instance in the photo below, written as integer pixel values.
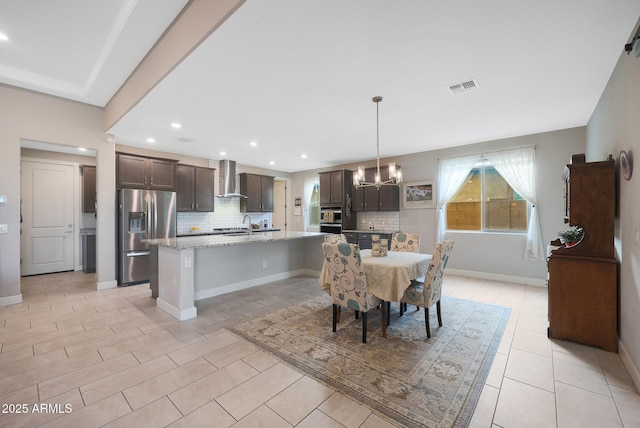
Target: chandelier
(395, 174)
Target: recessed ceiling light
(272, 163)
(82, 149)
(4, 37)
(223, 153)
(151, 140)
(303, 156)
(253, 143)
(176, 125)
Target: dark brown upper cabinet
(258, 190)
(334, 186)
(139, 172)
(195, 189)
(89, 196)
(384, 198)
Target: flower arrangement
(572, 236)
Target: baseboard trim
(11, 300)
(180, 315)
(311, 272)
(106, 285)
(211, 292)
(498, 277)
(633, 370)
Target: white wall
(32, 116)
(492, 254)
(615, 126)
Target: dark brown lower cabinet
(583, 301)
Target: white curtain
(516, 166)
(451, 175)
(309, 183)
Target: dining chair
(349, 284)
(427, 293)
(409, 242)
(335, 238)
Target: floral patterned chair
(349, 284)
(430, 292)
(335, 238)
(409, 242)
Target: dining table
(387, 276)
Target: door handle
(138, 254)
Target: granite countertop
(374, 231)
(221, 240)
(223, 232)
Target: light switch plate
(4, 228)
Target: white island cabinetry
(194, 268)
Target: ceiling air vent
(462, 87)
(186, 140)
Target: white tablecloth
(387, 277)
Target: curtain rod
(487, 151)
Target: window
(486, 202)
(314, 205)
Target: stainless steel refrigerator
(142, 214)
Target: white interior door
(47, 218)
(278, 219)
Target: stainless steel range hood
(228, 180)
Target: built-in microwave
(330, 216)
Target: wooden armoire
(583, 292)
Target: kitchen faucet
(250, 224)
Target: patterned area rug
(414, 380)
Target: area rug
(413, 380)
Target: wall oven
(330, 221)
(328, 216)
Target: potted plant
(572, 236)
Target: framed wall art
(419, 194)
(626, 167)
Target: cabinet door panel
(89, 189)
(184, 188)
(162, 175)
(267, 194)
(204, 189)
(253, 191)
(337, 195)
(325, 188)
(352, 237)
(132, 172)
(583, 300)
(358, 199)
(389, 198)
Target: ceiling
(297, 77)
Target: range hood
(228, 180)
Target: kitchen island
(187, 269)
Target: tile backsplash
(379, 220)
(227, 214)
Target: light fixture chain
(395, 175)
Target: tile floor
(115, 360)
